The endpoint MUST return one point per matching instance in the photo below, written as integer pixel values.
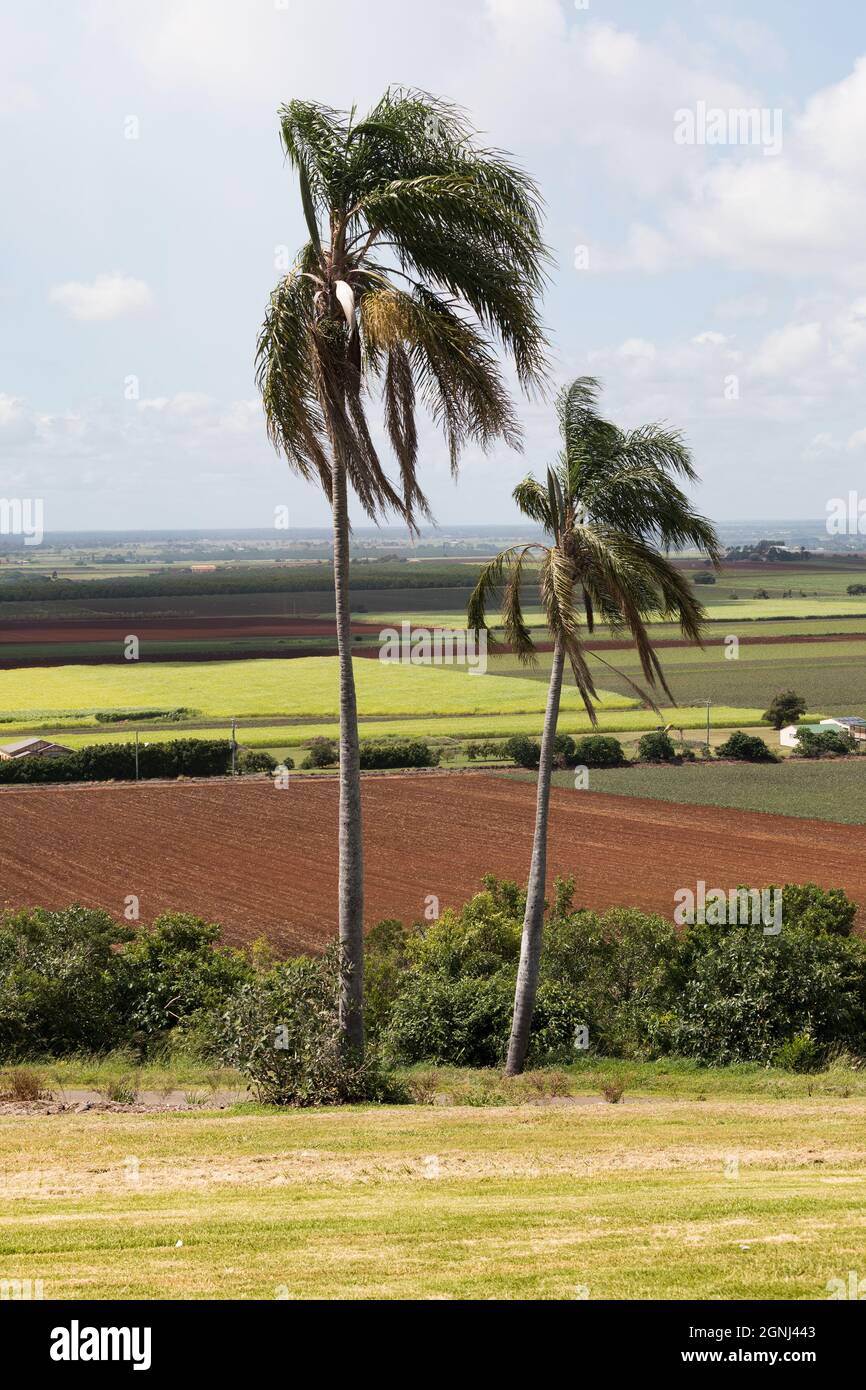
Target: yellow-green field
(469, 726)
(718, 610)
(307, 686)
(724, 1198)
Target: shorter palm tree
(611, 507)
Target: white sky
(152, 258)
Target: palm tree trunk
(533, 920)
(351, 865)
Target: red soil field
(262, 861)
(170, 629)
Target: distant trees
(785, 708)
(747, 748)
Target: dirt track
(263, 862)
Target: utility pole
(136, 755)
(708, 723)
(234, 745)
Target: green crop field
(732, 1196)
(306, 687)
(828, 675)
(482, 726)
(831, 789)
(720, 609)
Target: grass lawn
(826, 789)
(735, 1196)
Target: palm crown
(609, 505)
(424, 253)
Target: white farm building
(844, 724)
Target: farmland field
(345, 1204)
(307, 687)
(830, 676)
(262, 861)
(832, 790)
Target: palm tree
(609, 506)
(424, 254)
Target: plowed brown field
(263, 861)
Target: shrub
(830, 744)
(704, 578)
(323, 753)
(257, 760)
(400, 753)
(785, 708)
(173, 972)
(657, 747)
(746, 993)
(523, 751)
(100, 762)
(819, 909)
(462, 1022)
(282, 1032)
(599, 750)
(800, 1054)
(856, 589)
(489, 749)
(59, 985)
(747, 748)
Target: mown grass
(728, 1197)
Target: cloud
(746, 306)
(791, 215)
(106, 297)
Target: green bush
(173, 972)
(599, 750)
(523, 751)
(103, 762)
(60, 990)
(819, 909)
(282, 1032)
(460, 1022)
(746, 994)
(489, 749)
(252, 760)
(323, 753)
(831, 744)
(800, 1054)
(656, 747)
(747, 748)
(400, 753)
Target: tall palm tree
(610, 507)
(424, 253)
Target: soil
(262, 861)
